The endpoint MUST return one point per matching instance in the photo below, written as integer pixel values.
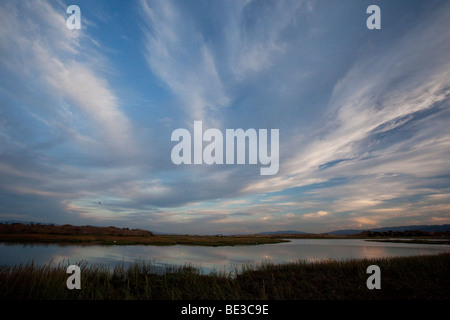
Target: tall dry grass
(420, 277)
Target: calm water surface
(211, 258)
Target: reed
(418, 277)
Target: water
(211, 258)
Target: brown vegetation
(68, 234)
(43, 233)
(67, 229)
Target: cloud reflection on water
(221, 259)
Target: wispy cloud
(35, 39)
(180, 56)
(369, 101)
(86, 115)
(50, 81)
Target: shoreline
(414, 241)
(89, 235)
(193, 240)
(158, 240)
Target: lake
(210, 258)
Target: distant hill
(67, 229)
(281, 232)
(165, 233)
(345, 232)
(26, 222)
(424, 228)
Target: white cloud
(368, 98)
(40, 50)
(177, 53)
(363, 141)
(253, 34)
(315, 215)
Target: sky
(87, 115)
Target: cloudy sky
(86, 116)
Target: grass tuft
(418, 277)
